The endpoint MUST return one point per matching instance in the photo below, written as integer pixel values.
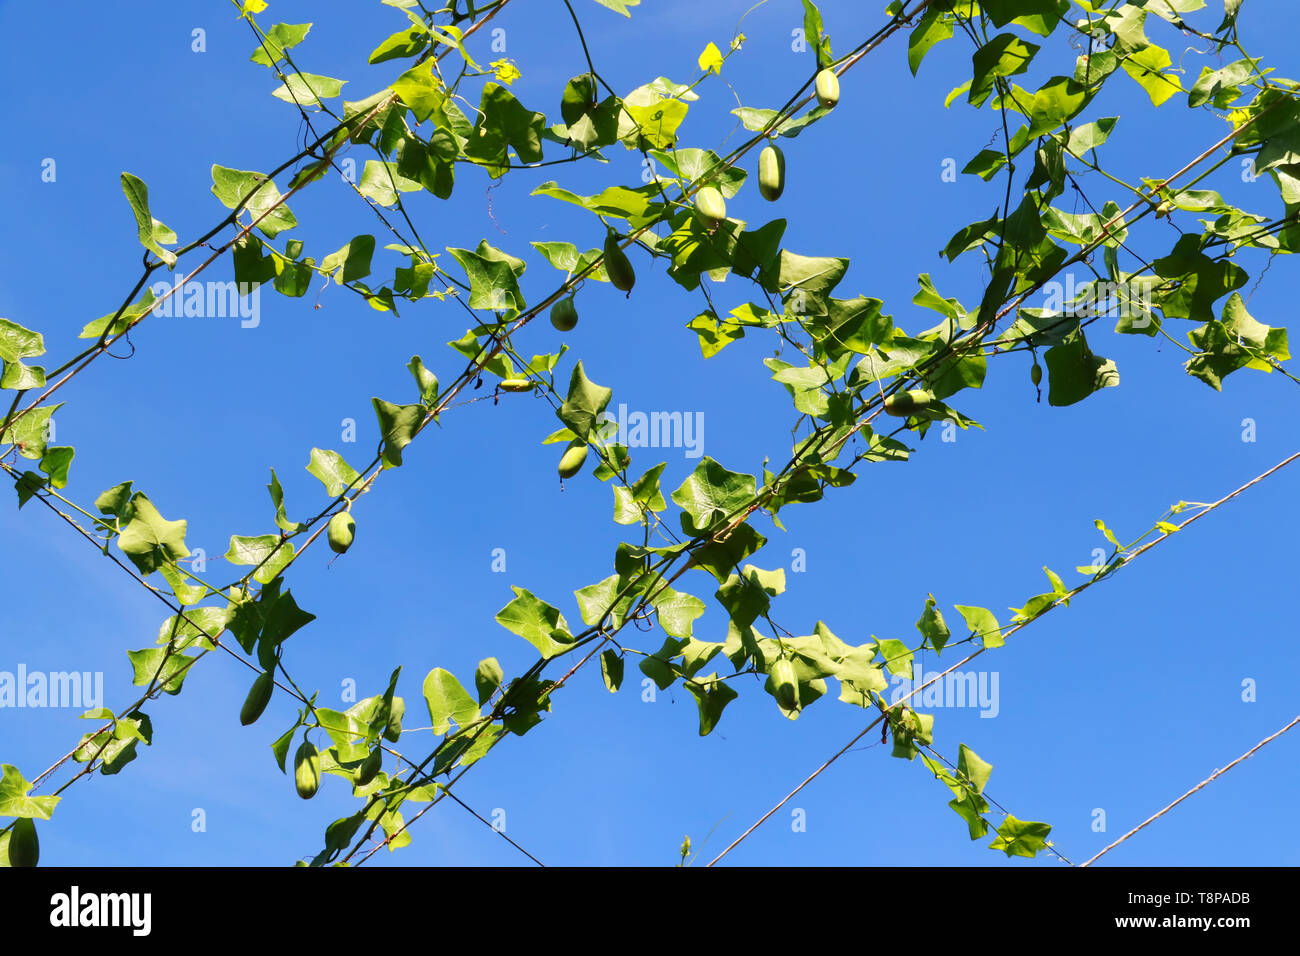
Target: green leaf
(245, 189)
(151, 232)
(1040, 16)
(397, 426)
(28, 433)
(55, 463)
(932, 625)
(277, 498)
(381, 182)
(281, 37)
(426, 380)
(970, 766)
(18, 343)
(201, 625)
(1004, 55)
(503, 123)
(14, 801)
(611, 669)
(170, 669)
(308, 89)
(651, 116)
(1147, 67)
(353, 259)
(677, 610)
(402, 44)
(334, 473)
(448, 701)
(537, 622)
(710, 494)
(982, 624)
(149, 540)
(584, 403)
(1021, 837)
(487, 678)
(493, 282)
(620, 6)
(254, 550)
(712, 695)
(1075, 373)
(934, 27)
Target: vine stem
(1063, 599)
(1211, 778)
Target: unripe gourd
(771, 173)
(711, 206)
(24, 847)
(1036, 373)
(259, 695)
(564, 315)
(517, 385)
(342, 529)
(784, 683)
(306, 770)
(828, 89)
(368, 769)
(617, 267)
(573, 458)
(905, 404)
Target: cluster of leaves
(851, 358)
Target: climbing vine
(864, 389)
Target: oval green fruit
(564, 315)
(710, 205)
(368, 769)
(771, 173)
(828, 88)
(517, 385)
(906, 404)
(393, 729)
(24, 847)
(621, 274)
(306, 770)
(342, 529)
(259, 695)
(1036, 373)
(573, 458)
(785, 684)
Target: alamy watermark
(1131, 299)
(661, 429)
(958, 689)
(209, 300)
(80, 689)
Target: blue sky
(1119, 703)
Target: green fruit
(342, 530)
(573, 458)
(710, 205)
(905, 404)
(771, 173)
(785, 684)
(24, 847)
(368, 769)
(1036, 373)
(828, 88)
(259, 695)
(564, 316)
(517, 385)
(306, 770)
(393, 729)
(621, 274)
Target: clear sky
(1117, 704)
